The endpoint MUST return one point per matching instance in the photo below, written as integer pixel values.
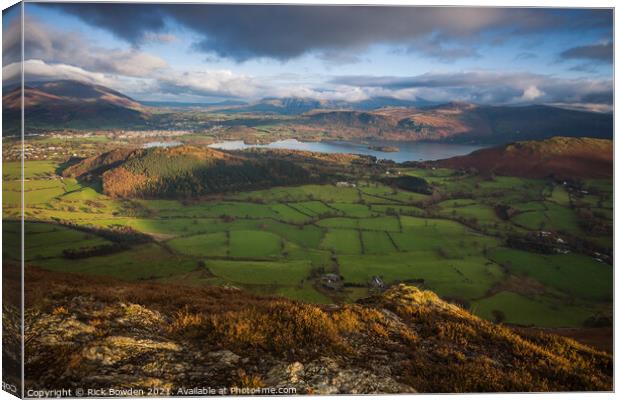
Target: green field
(343, 241)
(530, 311)
(279, 241)
(576, 275)
(205, 245)
(254, 244)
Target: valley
(325, 229)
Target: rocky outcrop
(327, 376)
(103, 334)
(133, 348)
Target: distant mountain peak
(73, 104)
(80, 90)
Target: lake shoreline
(402, 151)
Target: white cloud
(531, 93)
(332, 93)
(128, 62)
(214, 83)
(36, 70)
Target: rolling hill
(73, 104)
(188, 171)
(561, 157)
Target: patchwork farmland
(283, 240)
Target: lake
(409, 151)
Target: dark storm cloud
(595, 52)
(127, 21)
(284, 32)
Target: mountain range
(79, 105)
(299, 105)
(465, 122)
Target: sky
(206, 53)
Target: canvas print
(228, 199)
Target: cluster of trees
(593, 222)
(117, 233)
(410, 183)
(532, 242)
(178, 173)
(165, 162)
(225, 178)
(101, 250)
(504, 211)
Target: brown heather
(119, 182)
(562, 157)
(113, 332)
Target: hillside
(103, 333)
(537, 122)
(561, 157)
(300, 105)
(73, 104)
(463, 122)
(352, 119)
(188, 171)
(283, 106)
